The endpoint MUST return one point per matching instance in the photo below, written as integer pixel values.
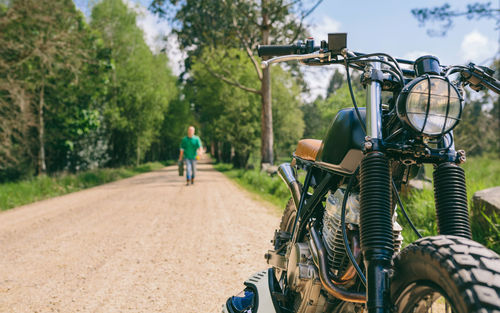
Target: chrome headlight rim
(401, 106)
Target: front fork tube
(450, 194)
(376, 229)
(378, 265)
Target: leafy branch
(445, 15)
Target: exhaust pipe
(286, 173)
(326, 281)
(350, 271)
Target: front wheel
(446, 274)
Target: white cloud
(326, 25)
(157, 34)
(318, 77)
(477, 48)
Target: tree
(141, 85)
(223, 23)
(228, 116)
(335, 82)
(319, 114)
(41, 44)
(479, 128)
(288, 121)
(445, 15)
(174, 126)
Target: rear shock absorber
(451, 200)
(376, 228)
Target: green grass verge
(481, 172)
(268, 188)
(43, 187)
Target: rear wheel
(288, 218)
(286, 225)
(446, 274)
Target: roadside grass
(269, 188)
(481, 172)
(43, 187)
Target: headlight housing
(430, 105)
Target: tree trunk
(266, 120)
(226, 152)
(240, 160)
(266, 149)
(41, 131)
(212, 149)
(219, 151)
(138, 153)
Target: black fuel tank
(342, 144)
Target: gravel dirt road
(144, 244)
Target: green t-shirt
(190, 146)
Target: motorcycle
(338, 246)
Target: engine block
(303, 279)
(332, 228)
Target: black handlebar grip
(272, 50)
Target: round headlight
(430, 105)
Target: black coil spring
(375, 201)
(451, 200)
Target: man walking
(190, 146)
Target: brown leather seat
(307, 149)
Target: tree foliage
(335, 83)
(141, 84)
(444, 15)
(45, 52)
(230, 118)
(239, 24)
(479, 129)
(319, 114)
(75, 96)
(288, 120)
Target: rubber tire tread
(468, 272)
(287, 213)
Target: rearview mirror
(337, 42)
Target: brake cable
(361, 122)
(344, 232)
(400, 203)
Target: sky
(372, 26)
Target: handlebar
(476, 77)
(480, 77)
(280, 50)
(273, 50)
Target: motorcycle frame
(329, 179)
(411, 149)
(332, 178)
